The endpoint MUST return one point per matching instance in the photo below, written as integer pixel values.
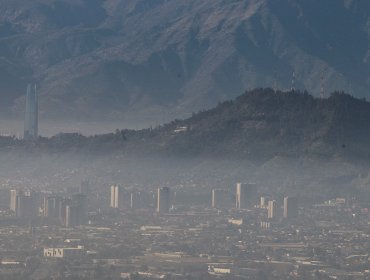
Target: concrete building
(63, 253)
(137, 200)
(290, 207)
(76, 211)
(221, 199)
(31, 116)
(262, 202)
(113, 196)
(246, 195)
(27, 207)
(52, 207)
(272, 209)
(163, 200)
(13, 199)
(119, 199)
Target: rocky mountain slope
(154, 60)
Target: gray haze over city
(170, 139)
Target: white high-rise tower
(31, 116)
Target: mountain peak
(132, 57)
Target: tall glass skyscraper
(31, 117)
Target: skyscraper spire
(31, 116)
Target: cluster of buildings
(57, 209)
(169, 233)
(94, 232)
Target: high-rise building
(163, 200)
(31, 116)
(119, 198)
(63, 206)
(262, 202)
(141, 200)
(26, 206)
(53, 207)
(113, 196)
(137, 200)
(13, 199)
(290, 207)
(272, 209)
(74, 210)
(221, 199)
(246, 195)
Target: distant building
(31, 116)
(52, 207)
(271, 209)
(163, 200)
(136, 200)
(114, 196)
(118, 197)
(290, 207)
(236, 222)
(13, 199)
(27, 207)
(262, 202)
(84, 187)
(221, 198)
(246, 195)
(74, 210)
(63, 253)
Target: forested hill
(258, 125)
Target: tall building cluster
(24, 203)
(68, 211)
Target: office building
(221, 199)
(74, 210)
(31, 115)
(119, 198)
(290, 207)
(53, 207)
(13, 199)
(114, 191)
(272, 209)
(246, 195)
(262, 202)
(27, 207)
(163, 200)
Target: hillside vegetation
(258, 125)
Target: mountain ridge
(259, 125)
(158, 60)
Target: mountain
(154, 60)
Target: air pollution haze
(169, 139)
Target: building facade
(31, 115)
